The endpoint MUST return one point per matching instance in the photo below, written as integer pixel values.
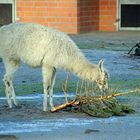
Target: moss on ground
(106, 46)
(124, 85)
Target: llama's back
(23, 41)
(34, 44)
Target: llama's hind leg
(8, 90)
(47, 73)
(11, 67)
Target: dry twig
(118, 94)
(84, 99)
(77, 88)
(60, 107)
(64, 88)
(81, 88)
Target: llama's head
(102, 81)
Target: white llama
(39, 46)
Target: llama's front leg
(45, 99)
(51, 89)
(47, 84)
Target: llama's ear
(100, 65)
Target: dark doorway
(130, 15)
(5, 14)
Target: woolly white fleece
(36, 45)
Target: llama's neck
(84, 69)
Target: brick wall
(107, 15)
(99, 15)
(59, 14)
(88, 15)
(71, 16)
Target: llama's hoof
(10, 104)
(45, 109)
(16, 104)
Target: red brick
(69, 15)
